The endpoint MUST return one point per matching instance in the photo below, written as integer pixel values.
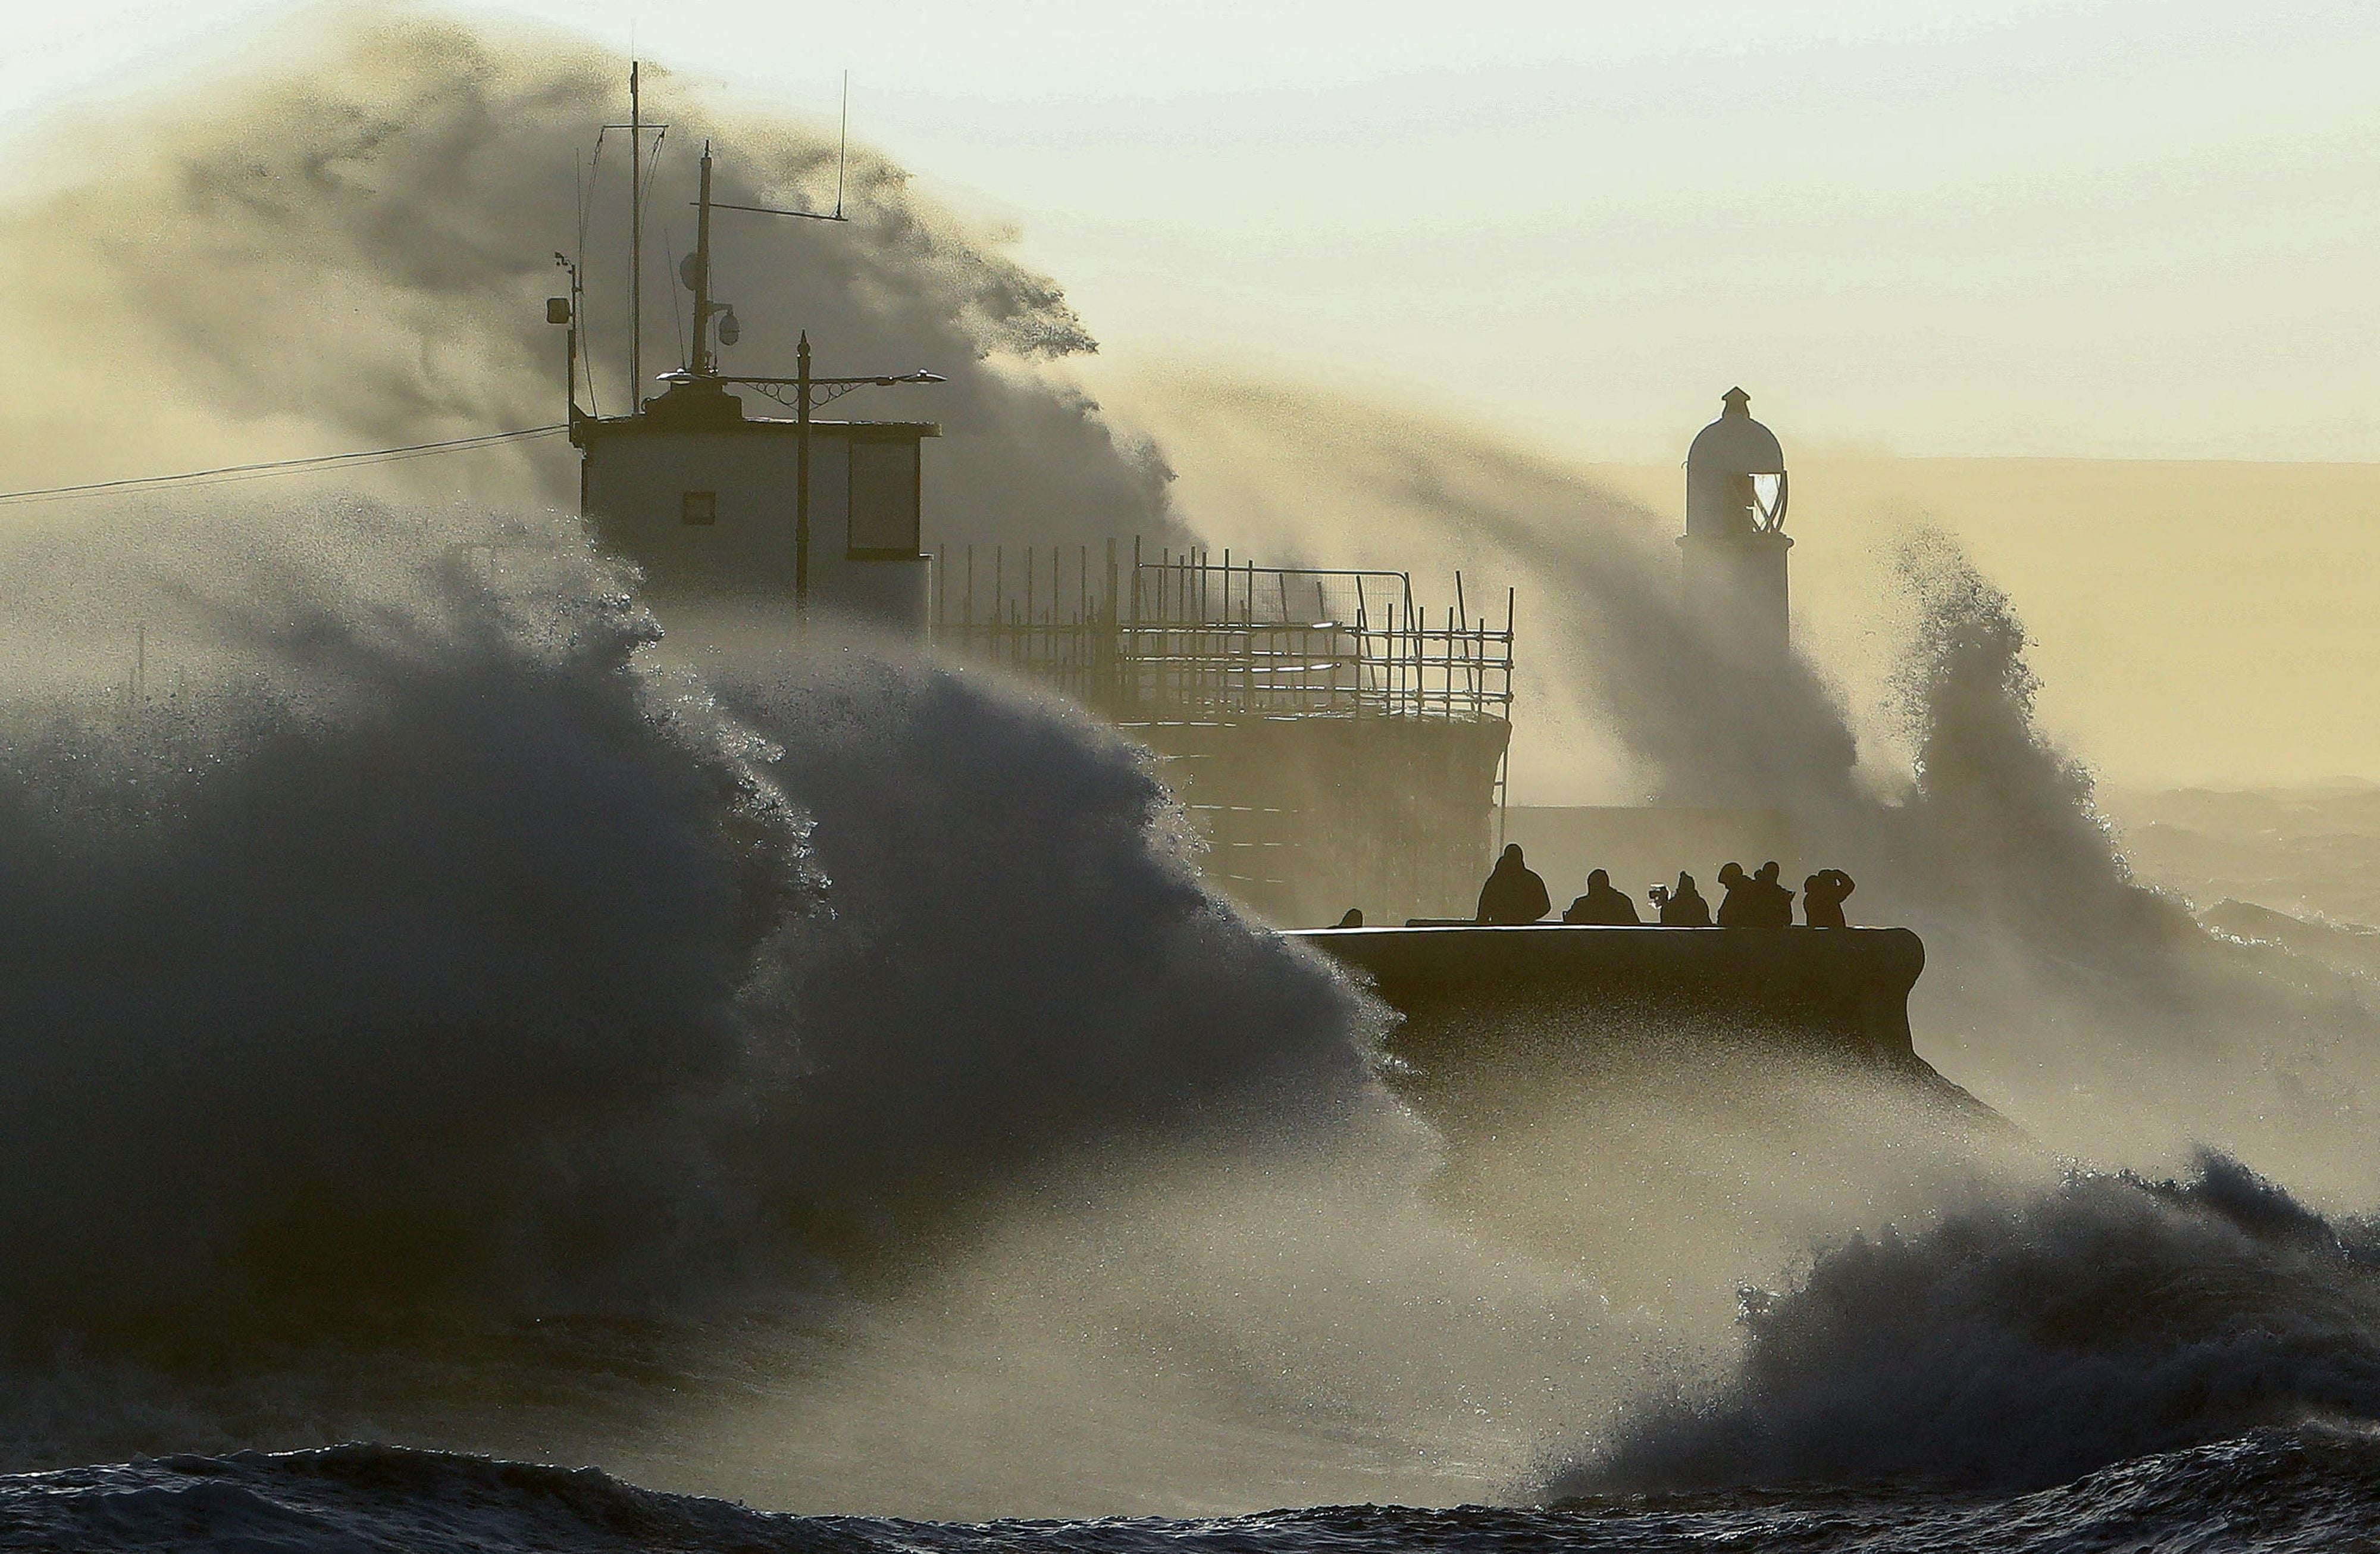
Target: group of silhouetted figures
(1515, 893)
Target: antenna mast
(635, 246)
(703, 365)
(843, 150)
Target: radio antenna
(636, 244)
(639, 175)
(843, 150)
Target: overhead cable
(278, 467)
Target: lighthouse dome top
(1735, 444)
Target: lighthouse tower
(1734, 544)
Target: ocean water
(2314, 1488)
(458, 1043)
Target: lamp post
(802, 476)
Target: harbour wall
(1471, 994)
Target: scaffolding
(1333, 740)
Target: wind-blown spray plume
(370, 270)
(1996, 813)
(406, 948)
(1617, 677)
(1620, 678)
(2093, 1010)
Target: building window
(884, 498)
(699, 507)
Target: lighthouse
(1734, 545)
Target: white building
(702, 497)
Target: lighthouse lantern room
(1734, 545)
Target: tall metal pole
(702, 363)
(843, 147)
(802, 476)
(570, 351)
(570, 339)
(577, 310)
(635, 245)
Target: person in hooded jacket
(1513, 892)
(1683, 907)
(1602, 906)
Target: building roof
(1735, 444)
(703, 406)
(590, 428)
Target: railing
(1190, 637)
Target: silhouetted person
(1822, 899)
(1513, 892)
(1683, 906)
(1602, 906)
(1735, 908)
(1772, 902)
(1354, 918)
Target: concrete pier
(1842, 992)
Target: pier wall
(1471, 993)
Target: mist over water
(456, 1011)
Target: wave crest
(2014, 1346)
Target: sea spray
(431, 943)
(922, 1011)
(2089, 1009)
(2020, 1345)
(1020, 947)
(1997, 818)
(1987, 818)
(435, 992)
(395, 950)
(372, 274)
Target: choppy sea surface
(2313, 1486)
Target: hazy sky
(1972, 226)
